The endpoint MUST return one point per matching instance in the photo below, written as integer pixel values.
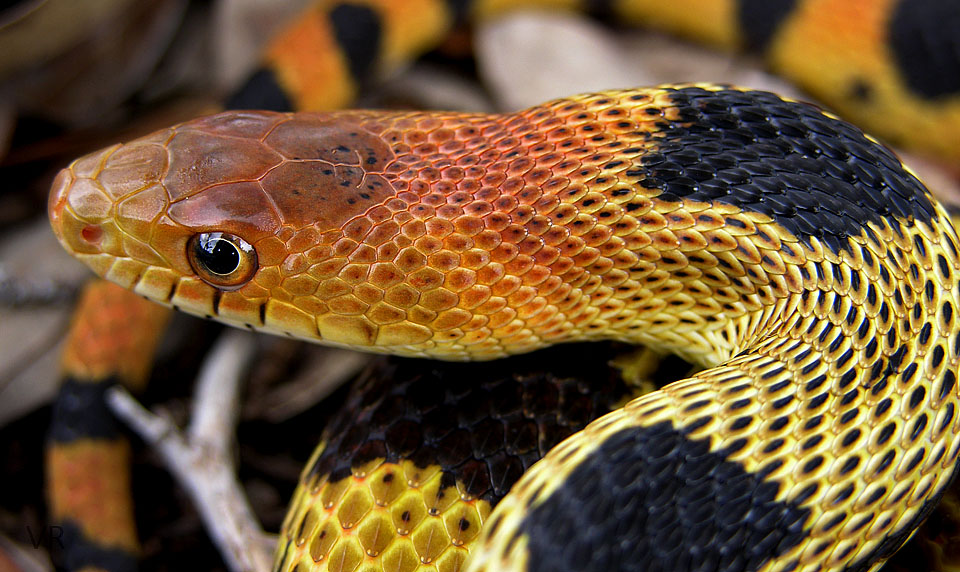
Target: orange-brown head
(292, 223)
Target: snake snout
(104, 202)
(77, 214)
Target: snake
(888, 65)
(796, 260)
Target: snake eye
(222, 260)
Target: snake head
(252, 218)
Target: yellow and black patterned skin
(890, 66)
(794, 257)
(413, 463)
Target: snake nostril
(91, 233)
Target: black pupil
(218, 255)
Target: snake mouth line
(211, 309)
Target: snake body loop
(794, 257)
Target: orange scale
(490, 157)
(426, 279)
(328, 268)
(418, 187)
(460, 279)
(408, 197)
(444, 261)
(458, 243)
(430, 123)
(625, 259)
(450, 319)
(529, 196)
(472, 224)
(379, 214)
(612, 247)
(347, 305)
(364, 254)
(585, 173)
(505, 252)
(511, 186)
(554, 289)
(449, 212)
(546, 255)
(504, 205)
(536, 275)
(556, 185)
(420, 315)
(388, 251)
(453, 173)
(556, 234)
(587, 257)
(454, 148)
(598, 235)
(294, 264)
(467, 131)
(329, 289)
(522, 296)
(615, 277)
(491, 273)
(368, 293)
(344, 247)
(561, 265)
(442, 135)
(209, 161)
(396, 205)
(452, 195)
(544, 320)
(402, 296)
(354, 273)
(520, 166)
(474, 296)
(474, 258)
(358, 228)
(439, 228)
(409, 259)
(428, 244)
(132, 167)
(547, 203)
(385, 274)
(507, 144)
(414, 137)
(573, 246)
(506, 286)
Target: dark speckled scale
(484, 423)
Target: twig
(323, 373)
(200, 458)
(19, 558)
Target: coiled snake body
(794, 257)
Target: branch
(200, 458)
